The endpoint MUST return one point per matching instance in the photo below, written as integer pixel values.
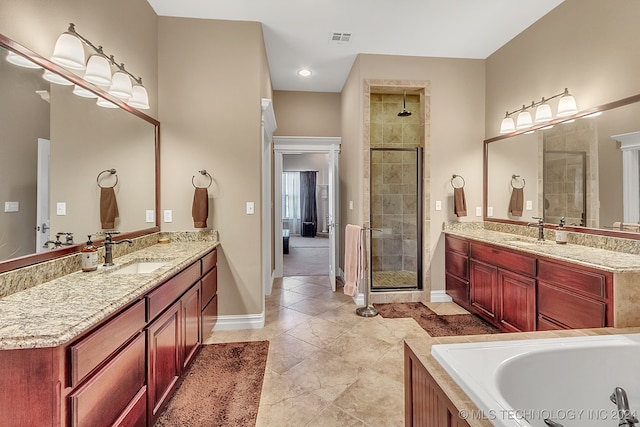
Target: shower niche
(395, 210)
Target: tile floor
(327, 366)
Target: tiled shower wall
(393, 181)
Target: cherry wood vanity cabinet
(457, 270)
(120, 372)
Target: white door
(334, 227)
(42, 205)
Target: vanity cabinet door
(484, 290)
(163, 358)
(457, 270)
(191, 332)
(517, 302)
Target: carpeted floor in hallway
(328, 367)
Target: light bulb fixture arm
(99, 50)
(535, 104)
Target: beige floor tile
(315, 306)
(335, 417)
(318, 332)
(446, 308)
(286, 351)
(357, 348)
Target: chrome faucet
(625, 417)
(108, 246)
(540, 225)
(550, 423)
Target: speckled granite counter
(54, 312)
(602, 259)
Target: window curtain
(291, 202)
(308, 206)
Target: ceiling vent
(340, 38)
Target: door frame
(296, 145)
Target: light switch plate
(150, 215)
(478, 211)
(61, 208)
(11, 206)
(250, 208)
(168, 215)
(529, 205)
(438, 205)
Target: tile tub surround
(625, 266)
(54, 312)
(422, 349)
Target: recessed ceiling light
(304, 72)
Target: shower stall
(395, 218)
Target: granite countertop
(583, 255)
(55, 312)
(422, 349)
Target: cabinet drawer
(135, 415)
(545, 324)
(570, 309)
(91, 351)
(582, 281)
(209, 260)
(171, 290)
(458, 290)
(456, 244)
(457, 264)
(209, 286)
(102, 400)
(209, 317)
(512, 261)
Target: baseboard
(440, 296)
(235, 323)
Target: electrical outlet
(478, 211)
(168, 215)
(489, 210)
(61, 208)
(529, 205)
(438, 205)
(11, 206)
(250, 208)
(150, 215)
(350, 205)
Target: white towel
(353, 266)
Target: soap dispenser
(561, 233)
(89, 254)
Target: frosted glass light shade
(98, 70)
(543, 113)
(507, 125)
(524, 120)
(139, 98)
(69, 52)
(105, 103)
(120, 86)
(21, 61)
(80, 91)
(56, 78)
(567, 106)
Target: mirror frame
(577, 229)
(28, 260)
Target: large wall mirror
(585, 169)
(57, 150)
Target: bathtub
(568, 380)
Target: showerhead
(404, 112)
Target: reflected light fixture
(56, 78)
(69, 53)
(21, 61)
(304, 72)
(85, 93)
(566, 107)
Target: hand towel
(352, 260)
(200, 207)
(516, 202)
(459, 202)
(108, 208)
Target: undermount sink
(523, 242)
(140, 267)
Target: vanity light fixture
(566, 107)
(69, 53)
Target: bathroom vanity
(107, 347)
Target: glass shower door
(396, 212)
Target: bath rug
(221, 388)
(437, 325)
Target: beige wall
(457, 127)
(307, 113)
(210, 109)
(589, 46)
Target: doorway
(328, 148)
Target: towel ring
(515, 178)
(111, 172)
(457, 176)
(202, 172)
